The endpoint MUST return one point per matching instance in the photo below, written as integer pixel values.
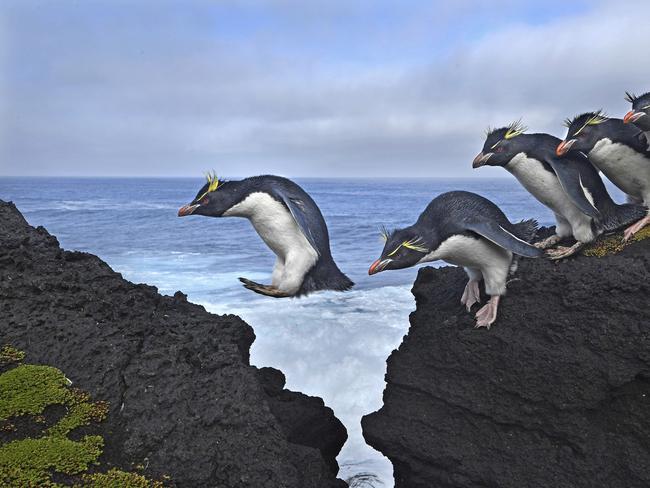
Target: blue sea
(332, 345)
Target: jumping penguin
(468, 230)
(570, 186)
(617, 149)
(287, 220)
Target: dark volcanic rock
(556, 394)
(184, 400)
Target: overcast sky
(300, 88)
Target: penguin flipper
(571, 181)
(492, 231)
(297, 208)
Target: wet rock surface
(556, 394)
(184, 401)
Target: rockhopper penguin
(287, 220)
(640, 113)
(569, 186)
(468, 230)
(617, 149)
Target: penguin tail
(617, 216)
(526, 230)
(325, 275)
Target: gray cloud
(162, 91)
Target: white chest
(625, 167)
(544, 185)
(470, 252)
(274, 224)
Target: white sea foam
(332, 345)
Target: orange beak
(564, 147)
(187, 210)
(632, 116)
(481, 159)
(378, 266)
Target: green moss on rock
(118, 479)
(26, 391)
(29, 462)
(9, 354)
(613, 244)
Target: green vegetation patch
(26, 391)
(608, 245)
(9, 354)
(115, 478)
(28, 462)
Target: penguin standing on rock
(287, 220)
(570, 186)
(617, 149)
(468, 230)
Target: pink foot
(486, 316)
(471, 295)
(561, 252)
(636, 227)
(548, 242)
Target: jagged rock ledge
(184, 401)
(557, 393)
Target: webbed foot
(562, 252)
(267, 290)
(636, 227)
(486, 316)
(548, 242)
(471, 294)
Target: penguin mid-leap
(640, 113)
(468, 230)
(617, 149)
(569, 186)
(287, 220)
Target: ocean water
(332, 345)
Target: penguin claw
(267, 290)
(636, 227)
(548, 242)
(471, 295)
(562, 252)
(487, 315)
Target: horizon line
(240, 176)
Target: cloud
(300, 88)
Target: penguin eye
(204, 201)
(499, 149)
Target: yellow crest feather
(515, 129)
(415, 244)
(213, 184)
(599, 118)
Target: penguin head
(501, 145)
(213, 199)
(640, 113)
(584, 131)
(404, 248)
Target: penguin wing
(298, 211)
(568, 172)
(494, 232)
